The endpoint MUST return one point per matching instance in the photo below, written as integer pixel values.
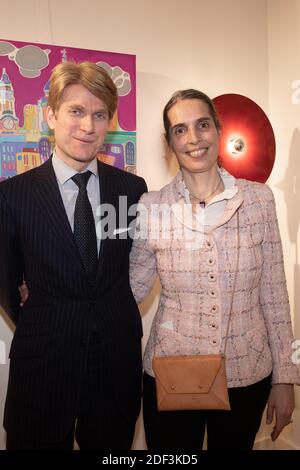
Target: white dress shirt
(69, 189)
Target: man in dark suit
(75, 359)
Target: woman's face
(193, 136)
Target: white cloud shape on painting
(120, 78)
(30, 59)
(6, 48)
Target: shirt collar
(230, 187)
(64, 172)
(233, 192)
(229, 181)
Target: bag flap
(187, 374)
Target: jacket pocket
(259, 351)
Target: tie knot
(81, 179)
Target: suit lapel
(108, 195)
(47, 196)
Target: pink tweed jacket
(197, 266)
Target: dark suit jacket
(49, 347)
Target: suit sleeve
(274, 296)
(143, 187)
(11, 271)
(142, 256)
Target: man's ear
(50, 117)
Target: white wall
(284, 112)
(220, 46)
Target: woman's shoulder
(160, 196)
(255, 190)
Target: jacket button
(209, 244)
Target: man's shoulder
(27, 175)
(15, 181)
(113, 172)
(21, 183)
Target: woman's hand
(24, 293)
(282, 402)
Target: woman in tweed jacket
(188, 235)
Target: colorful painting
(25, 138)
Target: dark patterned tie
(84, 226)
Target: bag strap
(233, 287)
(234, 281)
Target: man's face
(80, 125)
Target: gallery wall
(284, 113)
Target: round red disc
(247, 142)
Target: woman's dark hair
(189, 94)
